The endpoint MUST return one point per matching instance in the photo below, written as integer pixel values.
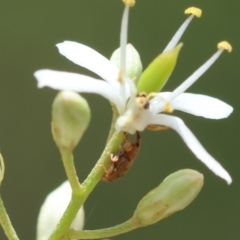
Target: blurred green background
(29, 31)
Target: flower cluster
(138, 108)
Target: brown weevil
(121, 163)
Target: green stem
(103, 233)
(97, 172)
(80, 194)
(115, 116)
(6, 223)
(68, 162)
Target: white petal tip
(58, 45)
(220, 113)
(38, 76)
(229, 110)
(202, 105)
(222, 173)
(229, 182)
(228, 179)
(68, 49)
(193, 144)
(40, 85)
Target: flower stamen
(224, 45)
(197, 12)
(123, 39)
(120, 76)
(167, 108)
(200, 71)
(129, 3)
(175, 39)
(142, 101)
(124, 31)
(123, 46)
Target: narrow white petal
(78, 83)
(191, 141)
(173, 42)
(199, 105)
(90, 59)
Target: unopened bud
(155, 76)
(70, 119)
(2, 168)
(175, 193)
(52, 210)
(133, 62)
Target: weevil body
(121, 163)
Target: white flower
(137, 111)
(52, 210)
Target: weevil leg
(127, 143)
(138, 138)
(102, 166)
(107, 171)
(125, 136)
(114, 158)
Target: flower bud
(175, 193)
(70, 119)
(133, 62)
(159, 70)
(52, 210)
(2, 168)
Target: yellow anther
(142, 101)
(134, 78)
(194, 11)
(168, 108)
(129, 3)
(120, 76)
(224, 45)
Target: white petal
(192, 142)
(90, 59)
(52, 210)
(200, 105)
(78, 83)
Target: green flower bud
(159, 70)
(175, 193)
(133, 62)
(2, 168)
(70, 119)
